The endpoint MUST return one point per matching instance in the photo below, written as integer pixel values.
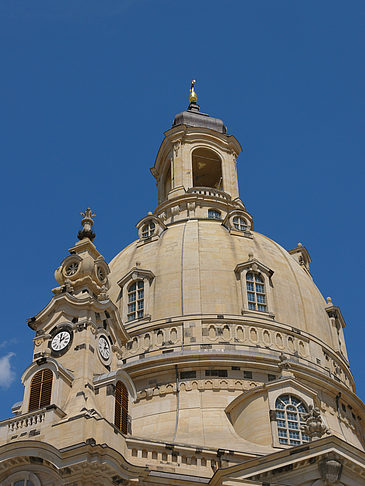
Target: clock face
(60, 340)
(104, 348)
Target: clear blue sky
(87, 89)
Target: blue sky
(87, 90)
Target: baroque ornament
(314, 426)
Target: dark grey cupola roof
(193, 118)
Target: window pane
(251, 306)
(249, 276)
(140, 304)
(260, 298)
(19, 483)
(293, 425)
(251, 296)
(258, 278)
(250, 286)
(140, 284)
(260, 288)
(261, 308)
(132, 307)
(140, 294)
(132, 287)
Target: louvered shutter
(121, 407)
(40, 389)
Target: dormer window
(148, 229)
(214, 214)
(136, 301)
(256, 286)
(239, 223)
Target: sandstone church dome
(203, 353)
(195, 264)
(213, 306)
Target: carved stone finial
(314, 426)
(330, 469)
(87, 223)
(329, 300)
(250, 256)
(299, 245)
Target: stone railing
(28, 420)
(30, 423)
(210, 191)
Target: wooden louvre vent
(40, 389)
(121, 407)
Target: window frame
(212, 213)
(139, 301)
(285, 420)
(257, 280)
(237, 221)
(21, 476)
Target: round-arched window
(22, 479)
(289, 412)
(40, 389)
(239, 223)
(148, 229)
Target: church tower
(203, 353)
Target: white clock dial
(60, 340)
(104, 348)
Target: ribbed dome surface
(194, 262)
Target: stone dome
(194, 266)
(222, 321)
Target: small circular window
(101, 274)
(71, 269)
(148, 230)
(239, 223)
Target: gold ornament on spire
(193, 97)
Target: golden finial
(193, 97)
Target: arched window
(135, 300)
(148, 229)
(239, 223)
(22, 479)
(121, 407)
(289, 418)
(214, 214)
(207, 169)
(256, 292)
(167, 182)
(40, 389)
